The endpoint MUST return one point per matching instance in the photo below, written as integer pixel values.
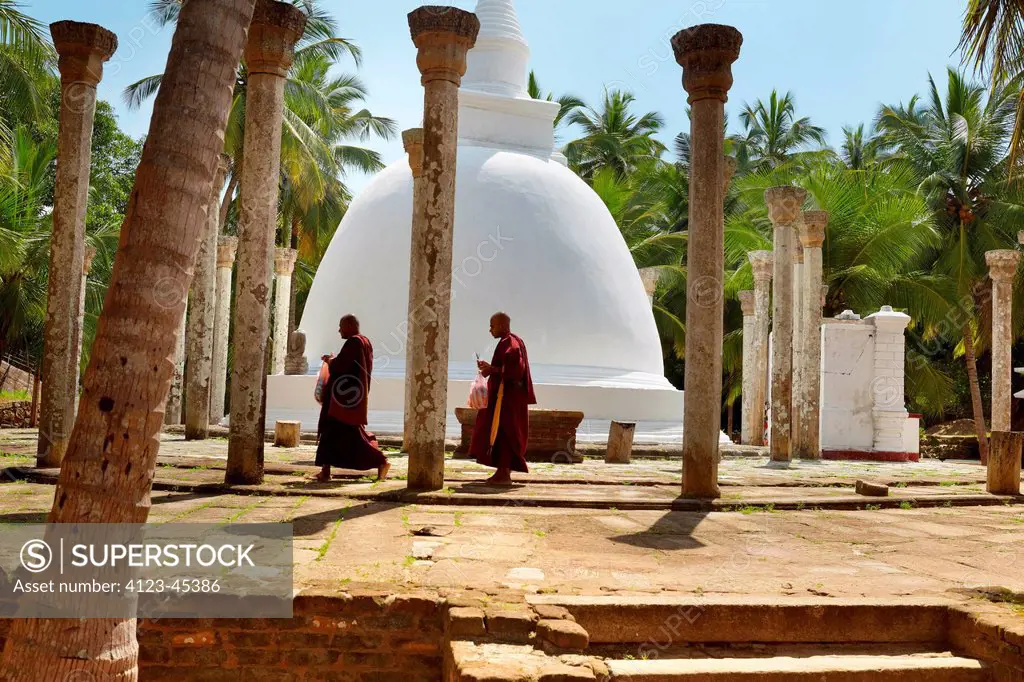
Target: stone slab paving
(343, 540)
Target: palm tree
(129, 374)
(24, 241)
(27, 60)
(613, 136)
(318, 109)
(993, 38)
(860, 149)
(957, 147)
(772, 132)
(567, 103)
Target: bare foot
(382, 472)
(322, 477)
(499, 481)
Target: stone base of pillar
(287, 433)
(1004, 463)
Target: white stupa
(531, 239)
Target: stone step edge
(838, 668)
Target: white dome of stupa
(531, 239)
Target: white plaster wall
(848, 349)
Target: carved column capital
(82, 50)
(227, 247)
(706, 53)
(812, 230)
(444, 36)
(1002, 264)
(762, 263)
(785, 204)
(275, 28)
(284, 261)
(412, 140)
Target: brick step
(825, 668)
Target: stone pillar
(1002, 266)
(784, 210)
(1003, 471)
(82, 50)
(443, 37)
(284, 266)
(796, 431)
(226, 247)
(650, 277)
(749, 362)
(761, 263)
(808, 391)
(90, 254)
(203, 304)
(412, 140)
(889, 413)
(276, 27)
(706, 53)
(172, 413)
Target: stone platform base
(552, 435)
(871, 456)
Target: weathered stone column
(203, 304)
(706, 53)
(412, 140)
(173, 411)
(1002, 266)
(808, 390)
(443, 36)
(784, 210)
(90, 254)
(284, 266)
(889, 411)
(761, 263)
(226, 248)
(82, 50)
(796, 434)
(650, 277)
(749, 369)
(276, 27)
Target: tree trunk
(976, 404)
(107, 473)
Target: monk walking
(344, 441)
(503, 427)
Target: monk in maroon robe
(503, 427)
(344, 441)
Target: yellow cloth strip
(496, 417)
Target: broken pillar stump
(620, 443)
(1004, 462)
(872, 489)
(286, 434)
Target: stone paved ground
(342, 539)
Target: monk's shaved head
(501, 324)
(349, 326)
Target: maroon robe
(509, 366)
(344, 441)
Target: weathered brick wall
(16, 415)
(358, 637)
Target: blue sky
(840, 59)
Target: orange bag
(321, 381)
(478, 393)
